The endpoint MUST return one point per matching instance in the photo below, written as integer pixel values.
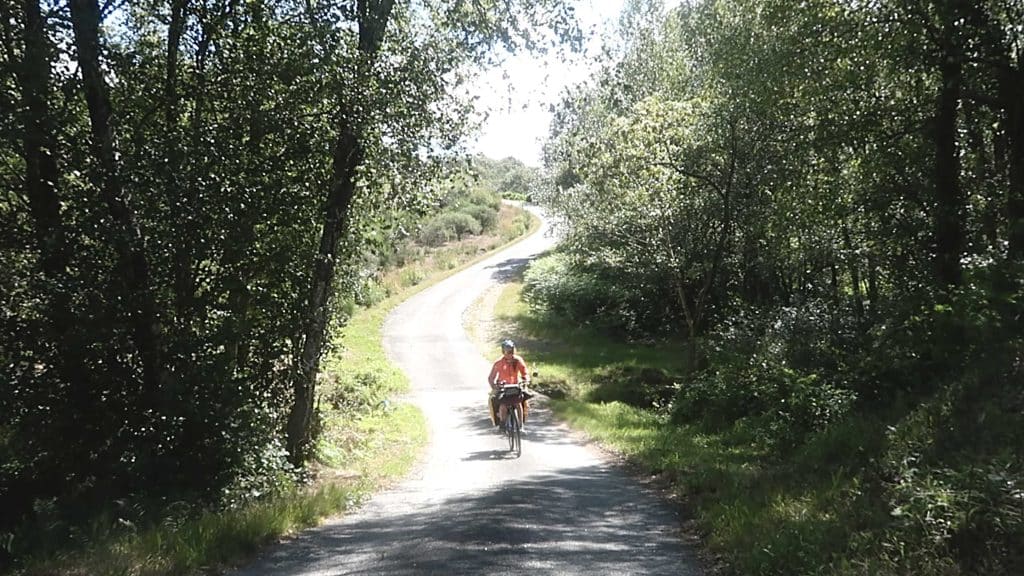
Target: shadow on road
(490, 455)
(540, 426)
(510, 270)
(582, 520)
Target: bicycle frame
(512, 397)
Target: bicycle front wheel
(510, 427)
(515, 433)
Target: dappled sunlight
(510, 270)
(577, 520)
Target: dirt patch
(479, 323)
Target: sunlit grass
(567, 355)
(767, 520)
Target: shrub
(412, 276)
(436, 233)
(369, 293)
(448, 226)
(479, 197)
(642, 387)
(462, 223)
(485, 215)
(955, 475)
(360, 391)
(557, 388)
(626, 304)
(516, 228)
(751, 375)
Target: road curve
(470, 507)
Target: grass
(387, 447)
(567, 358)
(362, 448)
(814, 511)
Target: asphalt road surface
(471, 507)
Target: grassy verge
(367, 442)
(810, 512)
(384, 446)
(570, 362)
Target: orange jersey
(507, 370)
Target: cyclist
(509, 369)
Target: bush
(369, 293)
(557, 388)
(625, 304)
(479, 197)
(642, 387)
(485, 215)
(955, 475)
(448, 226)
(412, 276)
(516, 228)
(361, 391)
(752, 375)
(435, 233)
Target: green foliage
(520, 225)
(381, 446)
(509, 177)
(782, 406)
(641, 387)
(171, 272)
(449, 226)
(827, 222)
(486, 216)
(486, 196)
(352, 393)
(465, 211)
(595, 294)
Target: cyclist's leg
(526, 404)
(491, 410)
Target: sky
(516, 95)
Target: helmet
(507, 345)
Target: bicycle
(512, 396)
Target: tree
(195, 186)
(466, 33)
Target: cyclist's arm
(493, 376)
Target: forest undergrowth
(784, 475)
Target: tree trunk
(42, 175)
(1013, 97)
(348, 156)
(184, 284)
(872, 281)
(40, 147)
(239, 295)
(854, 266)
(691, 322)
(949, 201)
(133, 264)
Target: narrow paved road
(470, 507)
